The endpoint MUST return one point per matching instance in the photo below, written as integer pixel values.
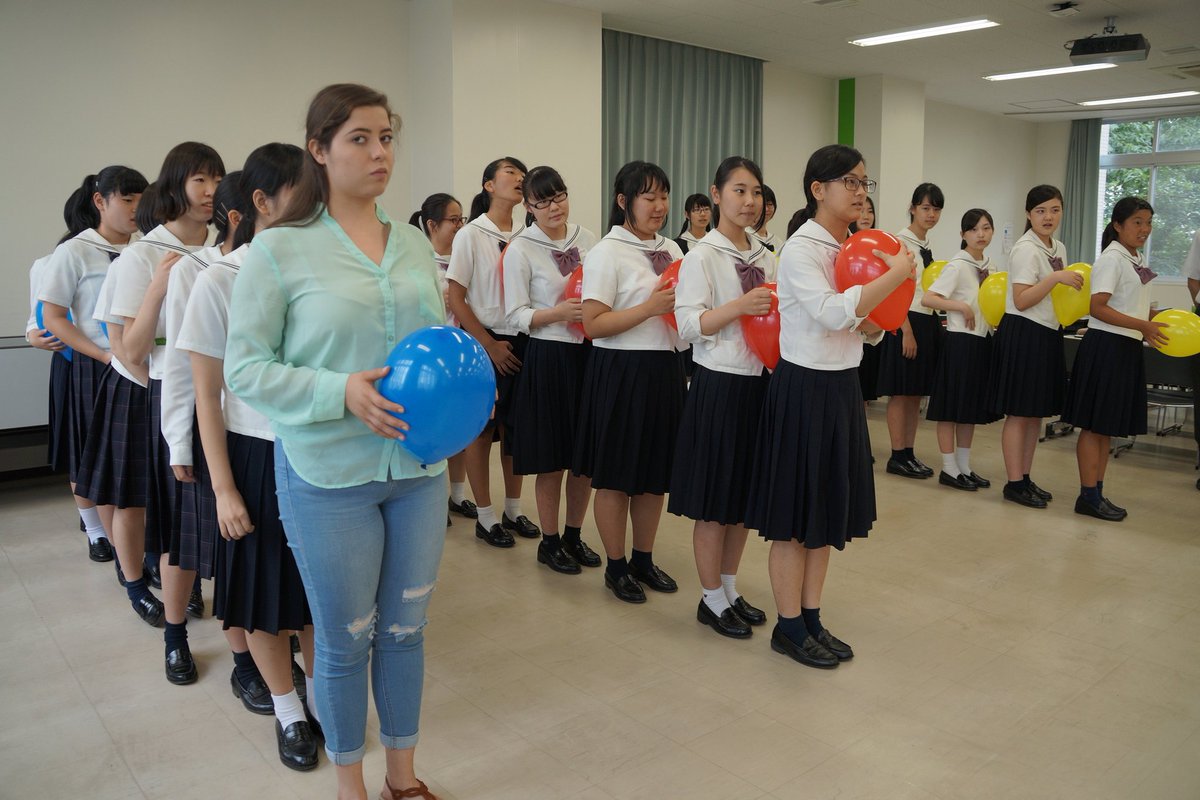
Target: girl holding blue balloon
(633, 386)
(537, 265)
(321, 298)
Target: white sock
(728, 583)
(949, 465)
(311, 700)
(288, 708)
(487, 517)
(458, 491)
(963, 456)
(91, 521)
(715, 599)
(512, 507)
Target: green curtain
(684, 108)
(1082, 192)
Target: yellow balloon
(1072, 304)
(1183, 332)
(992, 295)
(930, 274)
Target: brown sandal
(420, 790)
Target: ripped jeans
(368, 556)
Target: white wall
(87, 84)
(980, 160)
(799, 115)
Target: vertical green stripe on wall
(845, 124)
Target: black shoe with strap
(727, 623)
(754, 616)
(297, 746)
(496, 536)
(150, 609)
(195, 605)
(583, 555)
(655, 578)
(180, 666)
(466, 508)
(254, 694)
(521, 526)
(554, 556)
(810, 652)
(100, 550)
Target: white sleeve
(205, 320)
(1105, 274)
(805, 278)
(518, 307)
(178, 395)
(693, 296)
(1022, 265)
(462, 259)
(600, 277)
(60, 278)
(947, 281)
(35, 278)
(131, 279)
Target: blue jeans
(368, 556)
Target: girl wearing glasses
(697, 221)
(812, 486)
(440, 218)
(547, 396)
(908, 362)
(1030, 375)
(477, 300)
(633, 385)
(720, 282)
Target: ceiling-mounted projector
(1110, 49)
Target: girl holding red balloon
(812, 485)
(1030, 374)
(1106, 396)
(633, 385)
(537, 266)
(959, 401)
(721, 283)
(908, 362)
(477, 301)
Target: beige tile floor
(1002, 653)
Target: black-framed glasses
(457, 222)
(541, 205)
(853, 183)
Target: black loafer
(982, 483)
(748, 612)
(150, 609)
(1023, 496)
(905, 469)
(297, 746)
(313, 725)
(100, 550)
(835, 645)
(583, 555)
(961, 482)
(1040, 492)
(727, 624)
(1104, 501)
(521, 526)
(299, 681)
(655, 578)
(465, 509)
(1100, 511)
(556, 558)
(255, 695)
(625, 588)
(180, 666)
(811, 653)
(496, 537)
(921, 467)
(152, 574)
(195, 606)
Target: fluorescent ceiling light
(942, 29)
(1038, 73)
(1141, 99)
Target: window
(1158, 159)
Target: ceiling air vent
(1183, 72)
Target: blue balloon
(443, 378)
(37, 316)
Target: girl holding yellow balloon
(1107, 395)
(1030, 374)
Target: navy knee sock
(642, 560)
(175, 636)
(136, 589)
(243, 665)
(793, 628)
(812, 620)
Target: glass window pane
(1176, 216)
(1179, 133)
(1119, 138)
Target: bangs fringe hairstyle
(541, 183)
(80, 212)
(1038, 195)
(853, 225)
(693, 202)
(433, 210)
(926, 191)
(147, 215)
(182, 162)
(327, 113)
(483, 201)
(827, 164)
(970, 220)
(227, 198)
(1125, 208)
(768, 196)
(636, 177)
(269, 169)
(724, 171)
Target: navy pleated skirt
(58, 413)
(162, 498)
(86, 376)
(195, 547)
(910, 376)
(960, 390)
(545, 405)
(114, 468)
(1029, 372)
(1107, 390)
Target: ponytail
(80, 213)
(1109, 236)
(415, 220)
(482, 202)
(432, 210)
(227, 198)
(1125, 208)
(827, 164)
(1038, 195)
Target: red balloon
(857, 265)
(670, 277)
(762, 332)
(573, 290)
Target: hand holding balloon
(756, 302)
(1071, 278)
(375, 410)
(1153, 333)
(662, 299)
